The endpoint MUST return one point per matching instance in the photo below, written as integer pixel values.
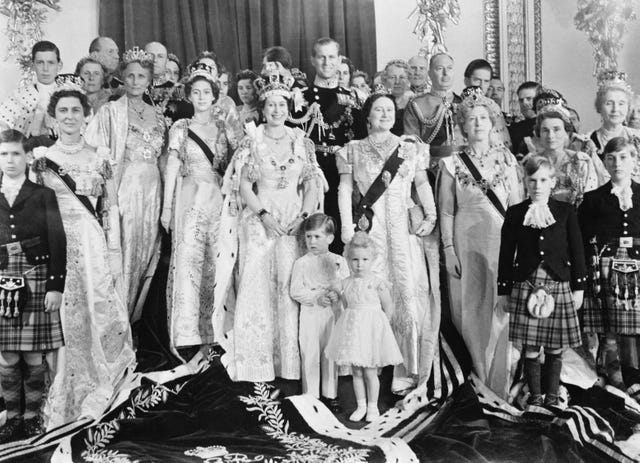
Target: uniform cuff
(55, 282)
(578, 284)
(504, 288)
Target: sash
(66, 178)
(363, 212)
(491, 196)
(203, 146)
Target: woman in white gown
(273, 183)
(98, 347)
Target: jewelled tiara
(69, 82)
(136, 54)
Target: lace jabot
(624, 194)
(538, 216)
(11, 187)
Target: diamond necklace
(73, 148)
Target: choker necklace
(277, 140)
(74, 148)
(383, 145)
(138, 112)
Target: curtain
(239, 30)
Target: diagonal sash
(491, 196)
(66, 178)
(203, 146)
(363, 213)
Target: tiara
(274, 81)
(172, 57)
(474, 96)
(136, 54)
(614, 79)
(552, 101)
(397, 62)
(297, 74)
(380, 89)
(69, 82)
(202, 70)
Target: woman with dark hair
(272, 185)
(386, 211)
(135, 133)
(93, 74)
(476, 185)
(98, 347)
(344, 72)
(199, 151)
(174, 68)
(575, 171)
(248, 107)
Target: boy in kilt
(609, 218)
(32, 254)
(541, 276)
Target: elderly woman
(613, 102)
(575, 170)
(174, 68)
(396, 80)
(135, 132)
(273, 184)
(198, 153)
(248, 109)
(360, 81)
(476, 185)
(93, 74)
(385, 212)
(98, 346)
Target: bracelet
(261, 213)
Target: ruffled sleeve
(311, 171)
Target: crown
(69, 82)
(136, 54)
(203, 70)
(614, 79)
(274, 80)
(298, 74)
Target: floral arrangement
(605, 22)
(24, 28)
(431, 23)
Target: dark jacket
(34, 214)
(600, 216)
(558, 247)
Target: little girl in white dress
(362, 337)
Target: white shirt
(11, 187)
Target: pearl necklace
(74, 148)
(382, 146)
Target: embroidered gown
(196, 219)
(399, 256)
(476, 239)
(263, 342)
(98, 347)
(136, 151)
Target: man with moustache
(332, 118)
(524, 128)
(418, 71)
(431, 116)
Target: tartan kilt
(560, 329)
(592, 314)
(620, 316)
(34, 329)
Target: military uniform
(341, 122)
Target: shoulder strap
(203, 146)
(594, 139)
(491, 196)
(377, 189)
(66, 178)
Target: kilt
(560, 329)
(34, 329)
(617, 319)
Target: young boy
(313, 279)
(610, 221)
(32, 276)
(541, 278)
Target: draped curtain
(239, 30)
